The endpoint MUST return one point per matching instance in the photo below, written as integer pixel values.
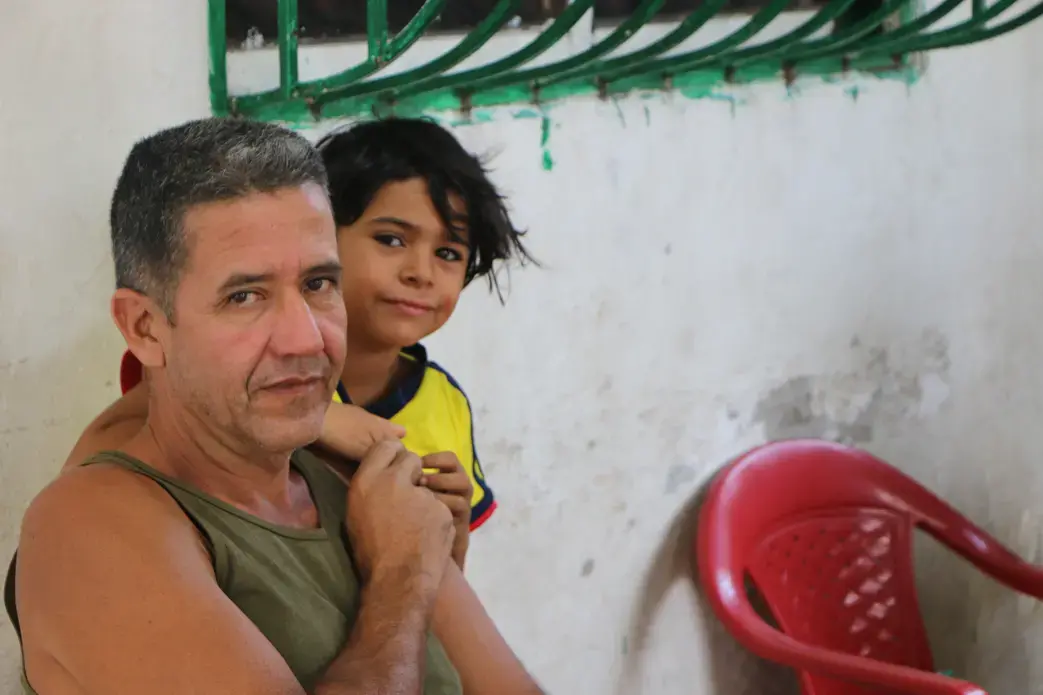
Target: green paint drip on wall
(548, 161)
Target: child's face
(403, 272)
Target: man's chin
(286, 435)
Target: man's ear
(143, 324)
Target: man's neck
(188, 449)
(369, 372)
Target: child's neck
(369, 373)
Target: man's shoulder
(97, 532)
(97, 500)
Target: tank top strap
(187, 498)
(328, 490)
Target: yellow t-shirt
(437, 416)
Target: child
(417, 220)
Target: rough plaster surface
(716, 273)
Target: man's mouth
(295, 384)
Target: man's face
(259, 327)
(403, 269)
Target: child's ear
(143, 324)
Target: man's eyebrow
(238, 280)
(243, 279)
(328, 268)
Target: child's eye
(448, 254)
(389, 240)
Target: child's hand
(351, 431)
(452, 486)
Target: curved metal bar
(641, 16)
(507, 79)
(474, 40)
(546, 38)
(731, 42)
(688, 26)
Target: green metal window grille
(871, 41)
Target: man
(206, 556)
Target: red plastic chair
(824, 532)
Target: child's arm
(113, 428)
(350, 431)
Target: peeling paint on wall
(891, 385)
(545, 125)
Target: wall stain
(677, 476)
(619, 113)
(848, 407)
(588, 568)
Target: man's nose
(296, 333)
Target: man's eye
(242, 297)
(320, 284)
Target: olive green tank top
(298, 586)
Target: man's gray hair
(204, 161)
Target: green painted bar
(733, 41)
(398, 45)
(898, 39)
(736, 57)
(376, 29)
(218, 58)
(972, 31)
(474, 40)
(641, 16)
(547, 38)
(851, 45)
(288, 77)
(774, 48)
(686, 28)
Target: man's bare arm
(387, 646)
(116, 594)
(484, 660)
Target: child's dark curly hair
(364, 157)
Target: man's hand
(351, 431)
(398, 529)
(453, 488)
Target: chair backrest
(824, 532)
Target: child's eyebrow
(397, 221)
(459, 232)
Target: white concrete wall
(858, 263)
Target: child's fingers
(393, 429)
(443, 462)
(452, 483)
